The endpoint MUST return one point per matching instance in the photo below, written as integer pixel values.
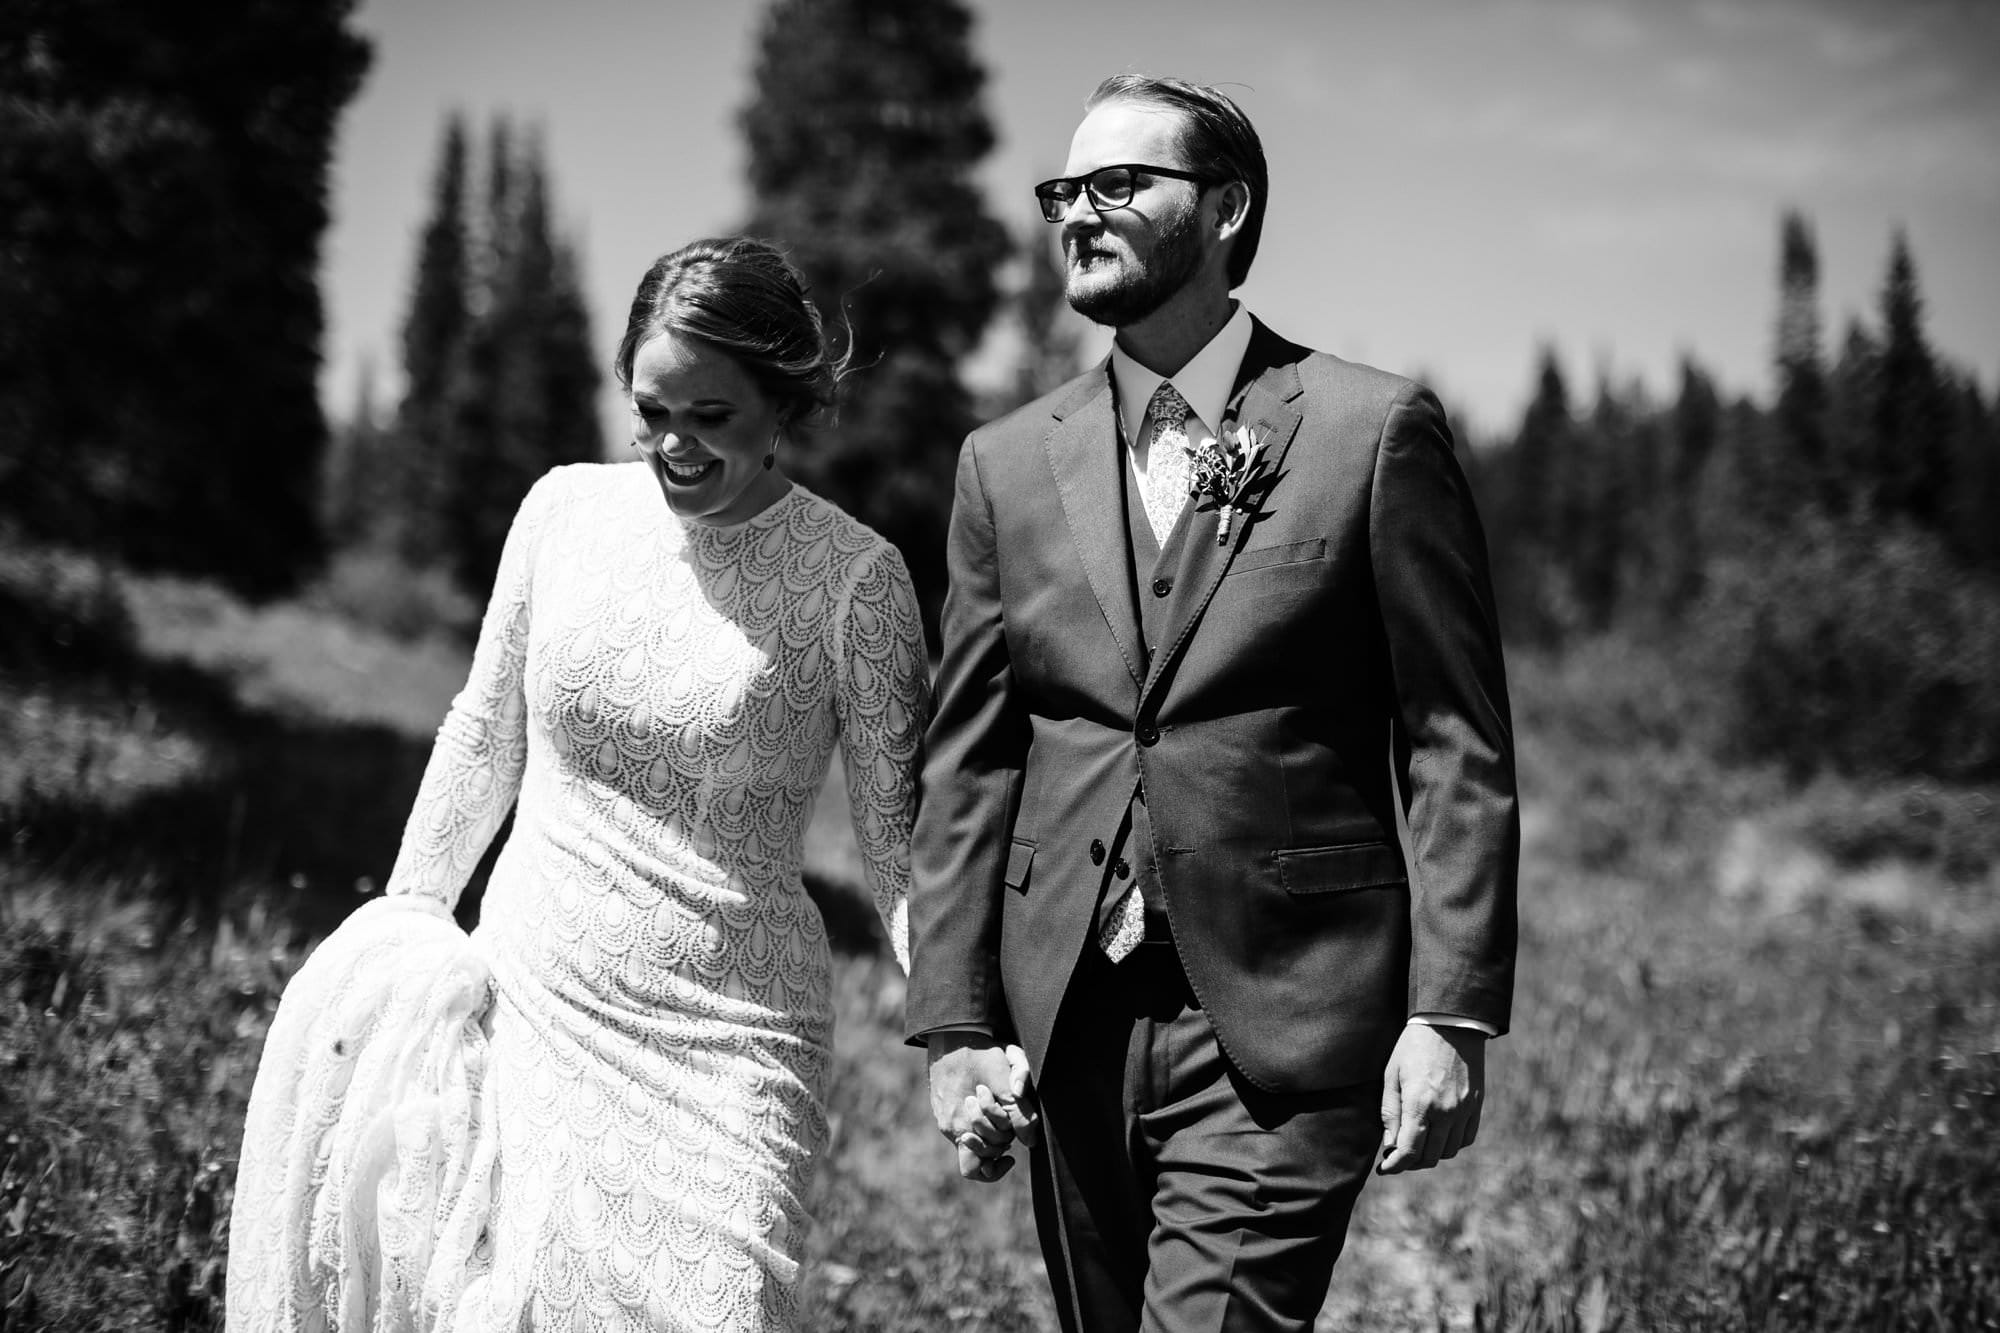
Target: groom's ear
(1229, 210)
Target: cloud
(1774, 97)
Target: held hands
(981, 1101)
(1431, 1094)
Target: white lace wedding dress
(603, 1110)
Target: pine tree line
(1833, 558)
(499, 367)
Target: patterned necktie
(1166, 460)
(1122, 923)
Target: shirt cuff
(1454, 1021)
(976, 1029)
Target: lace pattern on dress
(658, 702)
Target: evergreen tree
(529, 401)
(864, 132)
(497, 241)
(1911, 455)
(1050, 330)
(435, 333)
(162, 196)
(1599, 492)
(1532, 568)
(500, 371)
(1852, 389)
(1972, 504)
(362, 476)
(1692, 433)
(1641, 523)
(1799, 471)
(1540, 449)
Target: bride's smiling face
(705, 428)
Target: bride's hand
(1023, 1111)
(996, 1121)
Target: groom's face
(1123, 264)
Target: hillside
(1754, 1078)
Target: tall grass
(191, 791)
(1754, 1081)
(1755, 1076)
(129, 1045)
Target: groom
(1219, 623)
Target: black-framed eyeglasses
(1108, 187)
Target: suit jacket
(1336, 654)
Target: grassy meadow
(1754, 1081)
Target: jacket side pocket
(1354, 865)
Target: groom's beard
(1145, 285)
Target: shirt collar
(1205, 381)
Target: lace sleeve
(881, 703)
(475, 766)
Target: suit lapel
(1266, 403)
(1083, 454)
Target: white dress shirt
(1203, 383)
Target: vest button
(1149, 734)
(1097, 851)
(1161, 587)
(1122, 870)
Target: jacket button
(1161, 587)
(1149, 734)
(1097, 851)
(1122, 870)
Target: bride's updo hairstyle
(743, 296)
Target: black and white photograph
(763, 666)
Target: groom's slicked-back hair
(1215, 136)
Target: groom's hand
(980, 1100)
(1431, 1094)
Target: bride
(604, 1109)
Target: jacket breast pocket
(1355, 865)
(1020, 862)
(1283, 553)
(1269, 569)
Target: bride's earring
(771, 455)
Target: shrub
(374, 587)
(1862, 650)
(59, 611)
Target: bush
(1863, 650)
(60, 611)
(374, 587)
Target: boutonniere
(1225, 472)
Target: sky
(1455, 184)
